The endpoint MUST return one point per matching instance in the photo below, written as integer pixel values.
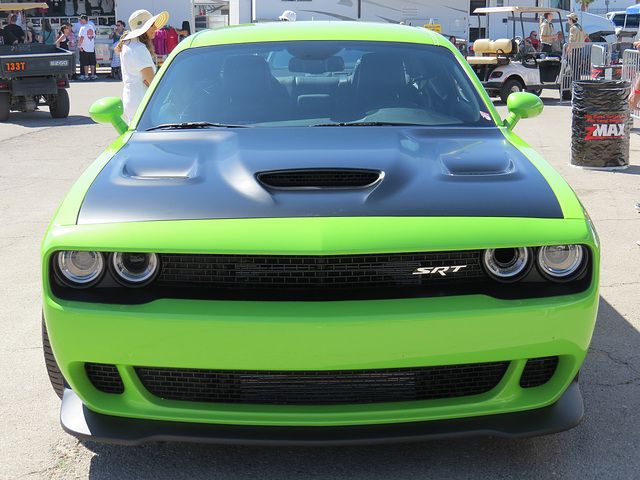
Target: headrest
(503, 44)
(482, 45)
(485, 45)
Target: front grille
(538, 371)
(319, 272)
(319, 178)
(319, 278)
(104, 377)
(343, 387)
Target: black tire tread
(505, 91)
(59, 108)
(53, 370)
(5, 104)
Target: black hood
(317, 172)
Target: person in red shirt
(533, 38)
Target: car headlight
(561, 262)
(507, 264)
(80, 269)
(134, 269)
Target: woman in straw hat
(136, 57)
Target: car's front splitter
(79, 421)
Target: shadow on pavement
(42, 118)
(610, 378)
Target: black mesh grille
(319, 178)
(104, 377)
(314, 278)
(322, 387)
(538, 371)
(320, 272)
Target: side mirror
(522, 105)
(109, 110)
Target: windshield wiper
(194, 125)
(366, 124)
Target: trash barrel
(606, 72)
(601, 124)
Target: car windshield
(315, 83)
(632, 20)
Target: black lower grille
(538, 371)
(104, 377)
(322, 387)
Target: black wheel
(536, 91)
(5, 103)
(567, 95)
(59, 104)
(55, 375)
(510, 86)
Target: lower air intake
(322, 387)
(104, 377)
(538, 371)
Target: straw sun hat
(141, 20)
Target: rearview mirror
(109, 110)
(522, 105)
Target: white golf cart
(505, 66)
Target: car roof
(515, 9)
(321, 30)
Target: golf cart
(505, 66)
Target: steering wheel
(529, 60)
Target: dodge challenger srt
(318, 233)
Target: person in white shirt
(78, 25)
(87, 49)
(19, 18)
(136, 57)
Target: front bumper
(79, 421)
(316, 336)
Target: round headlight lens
(561, 262)
(80, 268)
(135, 269)
(507, 264)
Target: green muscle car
(318, 233)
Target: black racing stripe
(211, 174)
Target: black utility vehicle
(33, 74)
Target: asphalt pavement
(40, 157)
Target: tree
(584, 4)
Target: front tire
(510, 86)
(53, 370)
(59, 105)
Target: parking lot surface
(40, 158)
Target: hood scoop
(319, 178)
